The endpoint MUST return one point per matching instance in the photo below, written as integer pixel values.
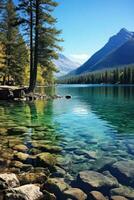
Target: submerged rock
(21, 156)
(104, 163)
(87, 154)
(56, 186)
(124, 191)
(60, 173)
(115, 197)
(130, 148)
(16, 164)
(41, 170)
(46, 160)
(48, 195)
(124, 171)
(40, 128)
(26, 192)
(3, 131)
(91, 180)
(17, 130)
(20, 147)
(10, 179)
(79, 152)
(75, 194)
(62, 161)
(49, 148)
(95, 195)
(108, 147)
(14, 170)
(34, 151)
(7, 154)
(21, 166)
(91, 154)
(14, 141)
(4, 162)
(28, 178)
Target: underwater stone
(28, 178)
(7, 154)
(48, 195)
(95, 195)
(56, 186)
(60, 173)
(130, 148)
(20, 147)
(46, 159)
(34, 151)
(4, 162)
(91, 180)
(41, 170)
(49, 148)
(124, 191)
(91, 154)
(124, 171)
(17, 130)
(21, 156)
(75, 193)
(115, 197)
(104, 163)
(16, 164)
(20, 165)
(3, 131)
(40, 128)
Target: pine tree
(12, 43)
(43, 36)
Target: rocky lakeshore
(37, 170)
(13, 93)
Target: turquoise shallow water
(94, 126)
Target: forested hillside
(120, 75)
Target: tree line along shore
(29, 41)
(120, 75)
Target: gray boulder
(124, 191)
(91, 180)
(75, 194)
(124, 171)
(10, 179)
(26, 192)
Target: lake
(95, 128)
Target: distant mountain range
(118, 51)
(65, 65)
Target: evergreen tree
(122, 75)
(12, 43)
(43, 36)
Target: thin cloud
(80, 58)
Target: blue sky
(88, 24)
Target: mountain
(124, 55)
(65, 65)
(100, 59)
